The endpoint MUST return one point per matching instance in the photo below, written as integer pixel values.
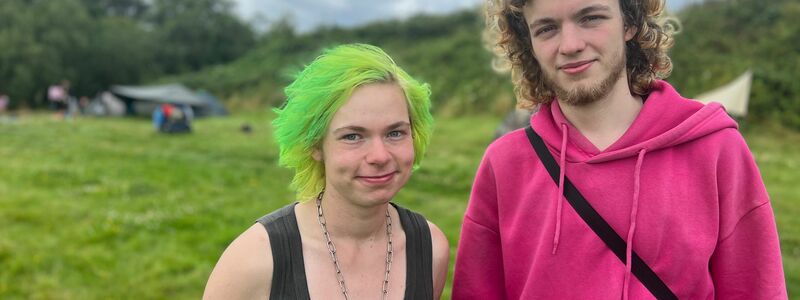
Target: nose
(378, 153)
(571, 40)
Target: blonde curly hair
(506, 34)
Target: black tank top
(289, 275)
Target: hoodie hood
(666, 119)
(681, 188)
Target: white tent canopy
(733, 96)
(167, 93)
(142, 100)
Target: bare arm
(441, 259)
(244, 271)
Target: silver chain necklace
(332, 250)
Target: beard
(582, 95)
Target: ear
(317, 154)
(630, 32)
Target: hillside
(447, 52)
(722, 39)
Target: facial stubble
(584, 95)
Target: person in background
(83, 104)
(188, 113)
(4, 102)
(158, 118)
(73, 107)
(353, 128)
(58, 95)
(619, 188)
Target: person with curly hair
(619, 187)
(353, 128)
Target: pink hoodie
(680, 186)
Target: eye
(396, 134)
(547, 29)
(593, 18)
(351, 137)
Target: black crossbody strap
(599, 225)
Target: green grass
(778, 157)
(108, 209)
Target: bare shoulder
(244, 269)
(441, 259)
(441, 247)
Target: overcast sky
(307, 14)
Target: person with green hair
(353, 128)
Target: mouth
(377, 179)
(576, 67)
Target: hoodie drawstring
(560, 197)
(632, 228)
(634, 206)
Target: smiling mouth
(576, 67)
(379, 179)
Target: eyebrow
(360, 129)
(592, 8)
(584, 11)
(399, 124)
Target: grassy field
(108, 209)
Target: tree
(134, 9)
(96, 43)
(195, 33)
(42, 44)
(121, 52)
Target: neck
(348, 221)
(604, 121)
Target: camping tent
(733, 96)
(142, 100)
(213, 107)
(106, 104)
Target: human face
(368, 151)
(580, 47)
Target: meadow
(110, 209)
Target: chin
(380, 196)
(583, 82)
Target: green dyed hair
(320, 89)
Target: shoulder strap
(288, 274)
(599, 225)
(419, 254)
